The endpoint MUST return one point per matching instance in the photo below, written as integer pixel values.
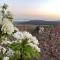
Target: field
(49, 39)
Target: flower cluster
(7, 27)
(32, 40)
(16, 43)
(13, 41)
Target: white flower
(37, 48)
(27, 35)
(5, 58)
(4, 50)
(30, 37)
(7, 27)
(17, 41)
(6, 42)
(34, 40)
(4, 38)
(18, 35)
(34, 46)
(10, 52)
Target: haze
(34, 9)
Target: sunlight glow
(34, 8)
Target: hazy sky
(34, 9)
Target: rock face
(49, 44)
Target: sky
(34, 9)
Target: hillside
(38, 22)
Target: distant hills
(37, 22)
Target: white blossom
(6, 42)
(37, 48)
(34, 40)
(4, 38)
(30, 37)
(27, 35)
(7, 27)
(6, 58)
(34, 46)
(4, 50)
(10, 52)
(18, 35)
